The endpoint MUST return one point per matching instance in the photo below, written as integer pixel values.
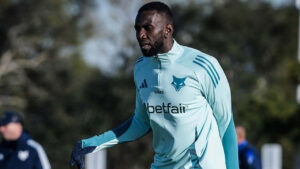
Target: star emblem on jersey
(144, 84)
(23, 155)
(178, 83)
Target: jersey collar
(173, 54)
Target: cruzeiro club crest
(178, 83)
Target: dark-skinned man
(182, 96)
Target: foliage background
(43, 73)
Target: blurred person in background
(182, 96)
(17, 149)
(249, 157)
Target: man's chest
(170, 96)
(16, 158)
(174, 84)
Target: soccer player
(249, 157)
(182, 96)
(17, 149)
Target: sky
(114, 21)
(111, 24)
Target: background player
(249, 157)
(17, 149)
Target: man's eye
(148, 28)
(137, 28)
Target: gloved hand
(78, 154)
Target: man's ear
(169, 30)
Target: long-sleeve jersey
(179, 94)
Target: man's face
(241, 134)
(11, 131)
(149, 27)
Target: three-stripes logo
(209, 68)
(144, 84)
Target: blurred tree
(38, 51)
(33, 33)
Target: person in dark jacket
(17, 149)
(249, 157)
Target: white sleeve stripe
(41, 153)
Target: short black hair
(160, 8)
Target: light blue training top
(178, 94)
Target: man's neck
(167, 45)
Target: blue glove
(78, 153)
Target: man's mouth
(145, 46)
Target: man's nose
(142, 34)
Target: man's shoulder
(197, 60)
(34, 145)
(193, 53)
(142, 60)
(250, 147)
(139, 60)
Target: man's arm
(216, 90)
(130, 130)
(41, 161)
(230, 146)
(134, 128)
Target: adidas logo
(144, 84)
